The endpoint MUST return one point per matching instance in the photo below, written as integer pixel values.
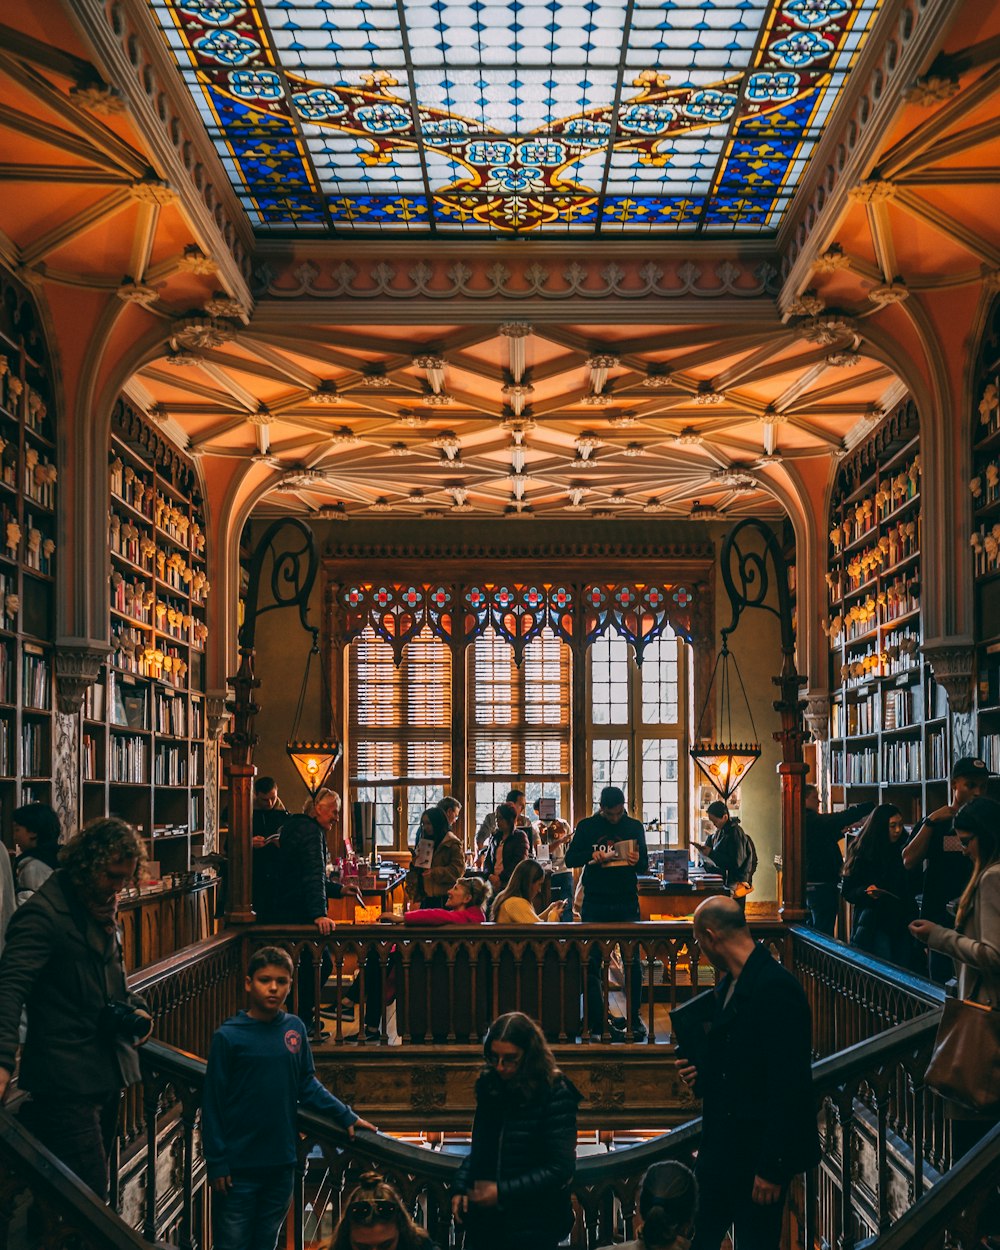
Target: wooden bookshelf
(143, 731)
(984, 486)
(889, 739)
(28, 482)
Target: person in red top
(466, 904)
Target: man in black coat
(824, 861)
(753, 1073)
(63, 960)
(610, 847)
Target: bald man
(755, 1080)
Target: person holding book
(727, 851)
(260, 1059)
(610, 847)
(437, 861)
(516, 905)
(877, 884)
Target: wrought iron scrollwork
(293, 574)
(749, 585)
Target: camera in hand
(124, 1021)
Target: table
(378, 898)
(674, 899)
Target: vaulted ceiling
(333, 399)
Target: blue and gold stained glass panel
(499, 117)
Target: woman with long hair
(877, 883)
(434, 869)
(668, 1202)
(516, 905)
(507, 847)
(974, 943)
(513, 1188)
(374, 1218)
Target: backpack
(748, 864)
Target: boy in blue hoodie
(260, 1069)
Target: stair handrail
(63, 1190)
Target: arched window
(637, 731)
(399, 737)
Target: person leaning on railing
(974, 943)
(668, 1201)
(374, 1218)
(513, 1188)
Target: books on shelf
(127, 759)
(36, 683)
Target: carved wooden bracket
(953, 662)
(77, 667)
(817, 716)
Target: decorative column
(817, 718)
(216, 717)
(745, 577)
(78, 666)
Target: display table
(674, 899)
(381, 896)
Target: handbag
(965, 1062)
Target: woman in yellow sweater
(516, 904)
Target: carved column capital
(78, 663)
(216, 714)
(817, 716)
(953, 663)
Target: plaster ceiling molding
(332, 512)
(576, 495)
(153, 191)
(706, 394)
(688, 437)
(449, 444)
(816, 714)
(267, 458)
(399, 449)
(97, 97)
(413, 419)
(516, 394)
(433, 367)
(416, 496)
(832, 260)
(518, 511)
(460, 498)
(621, 420)
(158, 414)
(846, 358)
(195, 261)
(654, 505)
(181, 357)
(771, 419)
(828, 328)
(201, 333)
(604, 514)
(325, 394)
(735, 479)
(140, 293)
(521, 280)
(603, 400)
(302, 479)
(808, 304)
(381, 504)
(705, 512)
(873, 191)
(515, 332)
(586, 445)
(953, 663)
(223, 305)
(439, 400)
(344, 437)
(517, 427)
(633, 450)
(932, 89)
(887, 293)
(657, 381)
(375, 382)
(599, 366)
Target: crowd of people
(66, 1006)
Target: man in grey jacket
(63, 960)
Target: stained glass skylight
(498, 117)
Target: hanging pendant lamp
(314, 761)
(725, 764)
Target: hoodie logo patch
(293, 1041)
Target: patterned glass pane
(464, 116)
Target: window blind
(400, 718)
(519, 718)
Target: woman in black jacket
(513, 1189)
(508, 846)
(877, 884)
